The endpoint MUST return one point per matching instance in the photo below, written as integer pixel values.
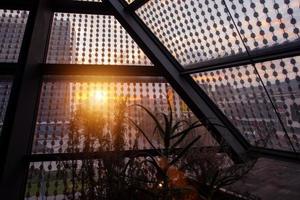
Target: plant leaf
(167, 132)
(142, 131)
(154, 118)
(183, 134)
(177, 125)
(184, 150)
(192, 126)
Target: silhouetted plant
(172, 132)
(212, 169)
(187, 173)
(98, 178)
(179, 170)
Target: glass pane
(266, 23)
(282, 80)
(193, 31)
(239, 93)
(92, 39)
(12, 27)
(68, 104)
(5, 87)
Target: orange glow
(93, 97)
(99, 96)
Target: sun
(99, 96)
(92, 97)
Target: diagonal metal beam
(185, 86)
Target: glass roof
(261, 99)
(195, 31)
(248, 91)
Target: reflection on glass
(282, 80)
(239, 93)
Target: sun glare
(91, 96)
(100, 96)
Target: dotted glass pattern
(240, 94)
(92, 39)
(60, 100)
(193, 31)
(282, 81)
(12, 27)
(196, 31)
(266, 23)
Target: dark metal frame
(260, 55)
(108, 154)
(16, 4)
(107, 79)
(27, 74)
(89, 155)
(16, 138)
(68, 6)
(84, 7)
(100, 70)
(8, 68)
(273, 153)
